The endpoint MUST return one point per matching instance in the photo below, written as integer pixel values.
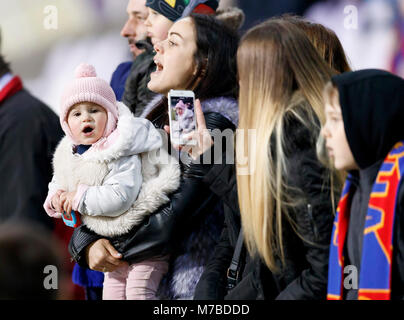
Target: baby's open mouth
(88, 129)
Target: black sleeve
(154, 236)
(160, 231)
(212, 284)
(314, 223)
(81, 238)
(26, 161)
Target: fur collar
(227, 107)
(135, 135)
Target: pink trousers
(138, 281)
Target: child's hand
(66, 201)
(55, 201)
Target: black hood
(372, 104)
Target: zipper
(313, 224)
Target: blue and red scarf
(9, 85)
(377, 252)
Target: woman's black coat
(162, 231)
(304, 275)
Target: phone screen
(182, 115)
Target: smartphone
(181, 112)
(71, 219)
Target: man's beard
(141, 44)
(144, 44)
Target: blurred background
(45, 40)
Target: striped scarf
(377, 253)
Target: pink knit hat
(87, 87)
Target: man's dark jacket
(29, 134)
(136, 94)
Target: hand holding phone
(201, 135)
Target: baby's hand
(66, 201)
(55, 201)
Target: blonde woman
(285, 202)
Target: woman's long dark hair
(216, 60)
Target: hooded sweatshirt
(372, 105)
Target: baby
(185, 116)
(102, 170)
(184, 122)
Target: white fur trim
(159, 180)
(128, 127)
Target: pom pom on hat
(85, 70)
(232, 17)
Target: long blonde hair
(330, 49)
(277, 64)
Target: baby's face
(179, 111)
(87, 122)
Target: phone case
(71, 220)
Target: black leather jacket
(159, 233)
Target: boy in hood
(364, 136)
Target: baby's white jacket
(186, 120)
(116, 187)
